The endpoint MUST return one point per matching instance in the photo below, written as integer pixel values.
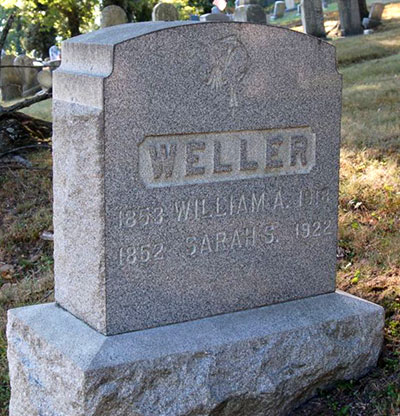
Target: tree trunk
(6, 29)
(74, 21)
(362, 4)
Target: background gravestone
(279, 9)
(214, 211)
(28, 76)
(113, 15)
(312, 17)
(10, 79)
(374, 17)
(249, 11)
(350, 20)
(165, 12)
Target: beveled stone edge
(55, 326)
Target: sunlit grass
(40, 110)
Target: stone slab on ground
(195, 171)
(262, 361)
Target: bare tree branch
(6, 29)
(26, 103)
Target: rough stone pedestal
(262, 361)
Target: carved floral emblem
(229, 66)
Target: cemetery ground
(369, 221)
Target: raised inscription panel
(214, 157)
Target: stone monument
(312, 17)
(195, 233)
(10, 79)
(249, 11)
(350, 20)
(279, 10)
(28, 75)
(113, 15)
(164, 12)
(375, 16)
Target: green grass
(369, 207)
(40, 110)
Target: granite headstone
(312, 17)
(350, 20)
(279, 10)
(165, 12)
(195, 188)
(374, 17)
(10, 79)
(112, 15)
(28, 75)
(206, 203)
(252, 13)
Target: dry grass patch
(26, 261)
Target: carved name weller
(226, 156)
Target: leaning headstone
(201, 227)
(112, 15)
(165, 12)
(249, 11)
(375, 16)
(312, 17)
(10, 79)
(279, 10)
(350, 20)
(28, 75)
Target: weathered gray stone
(376, 10)
(262, 361)
(279, 9)
(350, 20)
(312, 17)
(28, 76)
(171, 206)
(375, 16)
(253, 13)
(10, 79)
(113, 15)
(164, 12)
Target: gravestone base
(255, 362)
